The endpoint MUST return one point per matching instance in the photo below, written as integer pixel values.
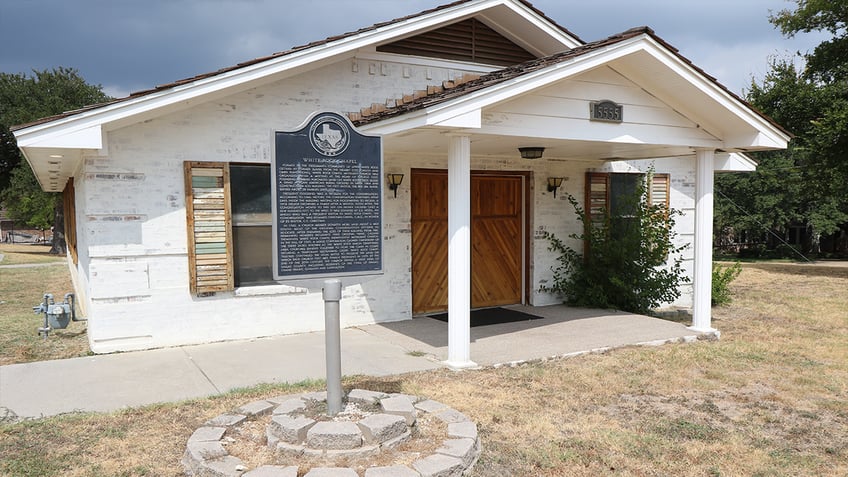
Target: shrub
(722, 278)
(625, 263)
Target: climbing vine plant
(629, 263)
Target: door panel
(429, 241)
(496, 240)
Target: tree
(807, 184)
(33, 209)
(23, 99)
(826, 63)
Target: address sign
(607, 111)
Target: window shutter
(210, 243)
(660, 186)
(597, 196)
(70, 216)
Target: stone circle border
(207, 456)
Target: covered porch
(665, 109)
(561, 331)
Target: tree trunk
(59, 245)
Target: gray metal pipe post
(332, 336)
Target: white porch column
(459, 252)
(704, 172)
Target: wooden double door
(497, 240)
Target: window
(252, 233)
(611, 192)
(228, 208)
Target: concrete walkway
(110, 382)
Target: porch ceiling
(434, 141)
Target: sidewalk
(110, 382)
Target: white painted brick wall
(131, 214)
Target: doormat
(492, 316)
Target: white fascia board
(70, 138)
(544, 24)
(734, 162)
(755, 140)
(717, 94)
(250, 73)
(470, 120)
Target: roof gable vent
(469, 40)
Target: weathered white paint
(459, 252)
(132, 230)
(133, 251)
(702, 312)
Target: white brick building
(453, 92)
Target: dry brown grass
(18, 253)
(769, 398)
(23, 288)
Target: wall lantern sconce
(531, 152)
(394, 182)
(553, 184)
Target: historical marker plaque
(327, 200)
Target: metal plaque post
(332, 335)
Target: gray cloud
(132, 45)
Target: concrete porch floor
(563, 331)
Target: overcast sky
(131, 45)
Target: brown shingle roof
(254, 61)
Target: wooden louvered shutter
(69, 206)
(597, 196)
(659, 189)
(210, 241)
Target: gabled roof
(296, 49)
(54, 146)
(454, 90)
(638, 54)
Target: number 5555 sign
(606, 111)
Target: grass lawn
(23, 288)
(21, 253)
(768, 399)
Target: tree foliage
(631, 264)
(33, 207)
(23, 99)
(807, 184)
(827, 62)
